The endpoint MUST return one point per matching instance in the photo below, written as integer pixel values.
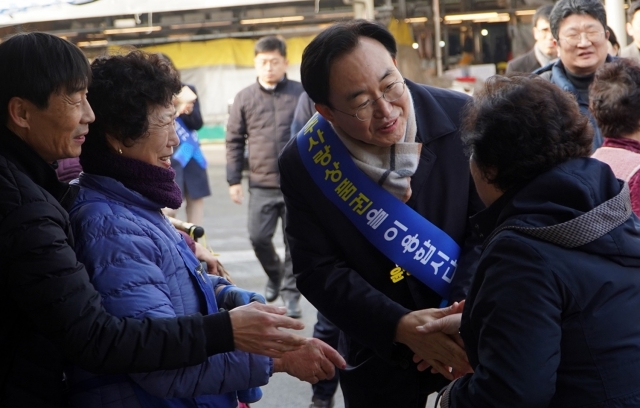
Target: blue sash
(394, 228)
(189, 147)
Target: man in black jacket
(543, 51)
(260, 118)
(51, 312)
(404, 137)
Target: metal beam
(102, 8)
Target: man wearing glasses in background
(579, 30)
(402, 139)
(261, 117)
(543, 51)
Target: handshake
(433, 336)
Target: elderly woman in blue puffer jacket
(139, 262)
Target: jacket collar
(278, 87)
(559, 74)
(30, 163)
(432, 120)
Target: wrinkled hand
(314, 362)
(437, 350)
(448, 324)
(256, 329)
(231, 296)
(204, 255)
(235, 192)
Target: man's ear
(325, 111)
(18, 112)
(630, 29)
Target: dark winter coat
(546, 325)
(525, 63)
(50, 309)
(348, 280)
(261, 120)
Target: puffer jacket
(50, 310)
(142, 267)
(262, 119)
(552, 316)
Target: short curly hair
(614, 98)
(518, 127)
(123, 91)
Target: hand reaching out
(313, 362)
(256, 329)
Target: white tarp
(218, 85)
(29, 11)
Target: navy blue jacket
(548, 326)
(142, 267)
(343, 275)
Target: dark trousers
(330, 334)
(266, 206)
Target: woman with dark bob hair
(139, 262)
(551, 318)
(615, 103)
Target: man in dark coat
(405, 137)
(51, 312)
(260, 120)
(579, 28)
(543, 51)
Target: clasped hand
(432, 334)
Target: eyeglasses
(264, 62)
(592, 36)
(392, 93)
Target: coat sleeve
(126, 264)
(235, 140)
(52, 289)
(516, 319)
(193, 121)
(323, 276)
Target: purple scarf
(151, 181)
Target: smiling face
(357, 77)
(582, 56)
(59, 130)
(156, 147)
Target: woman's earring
(120, 150)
